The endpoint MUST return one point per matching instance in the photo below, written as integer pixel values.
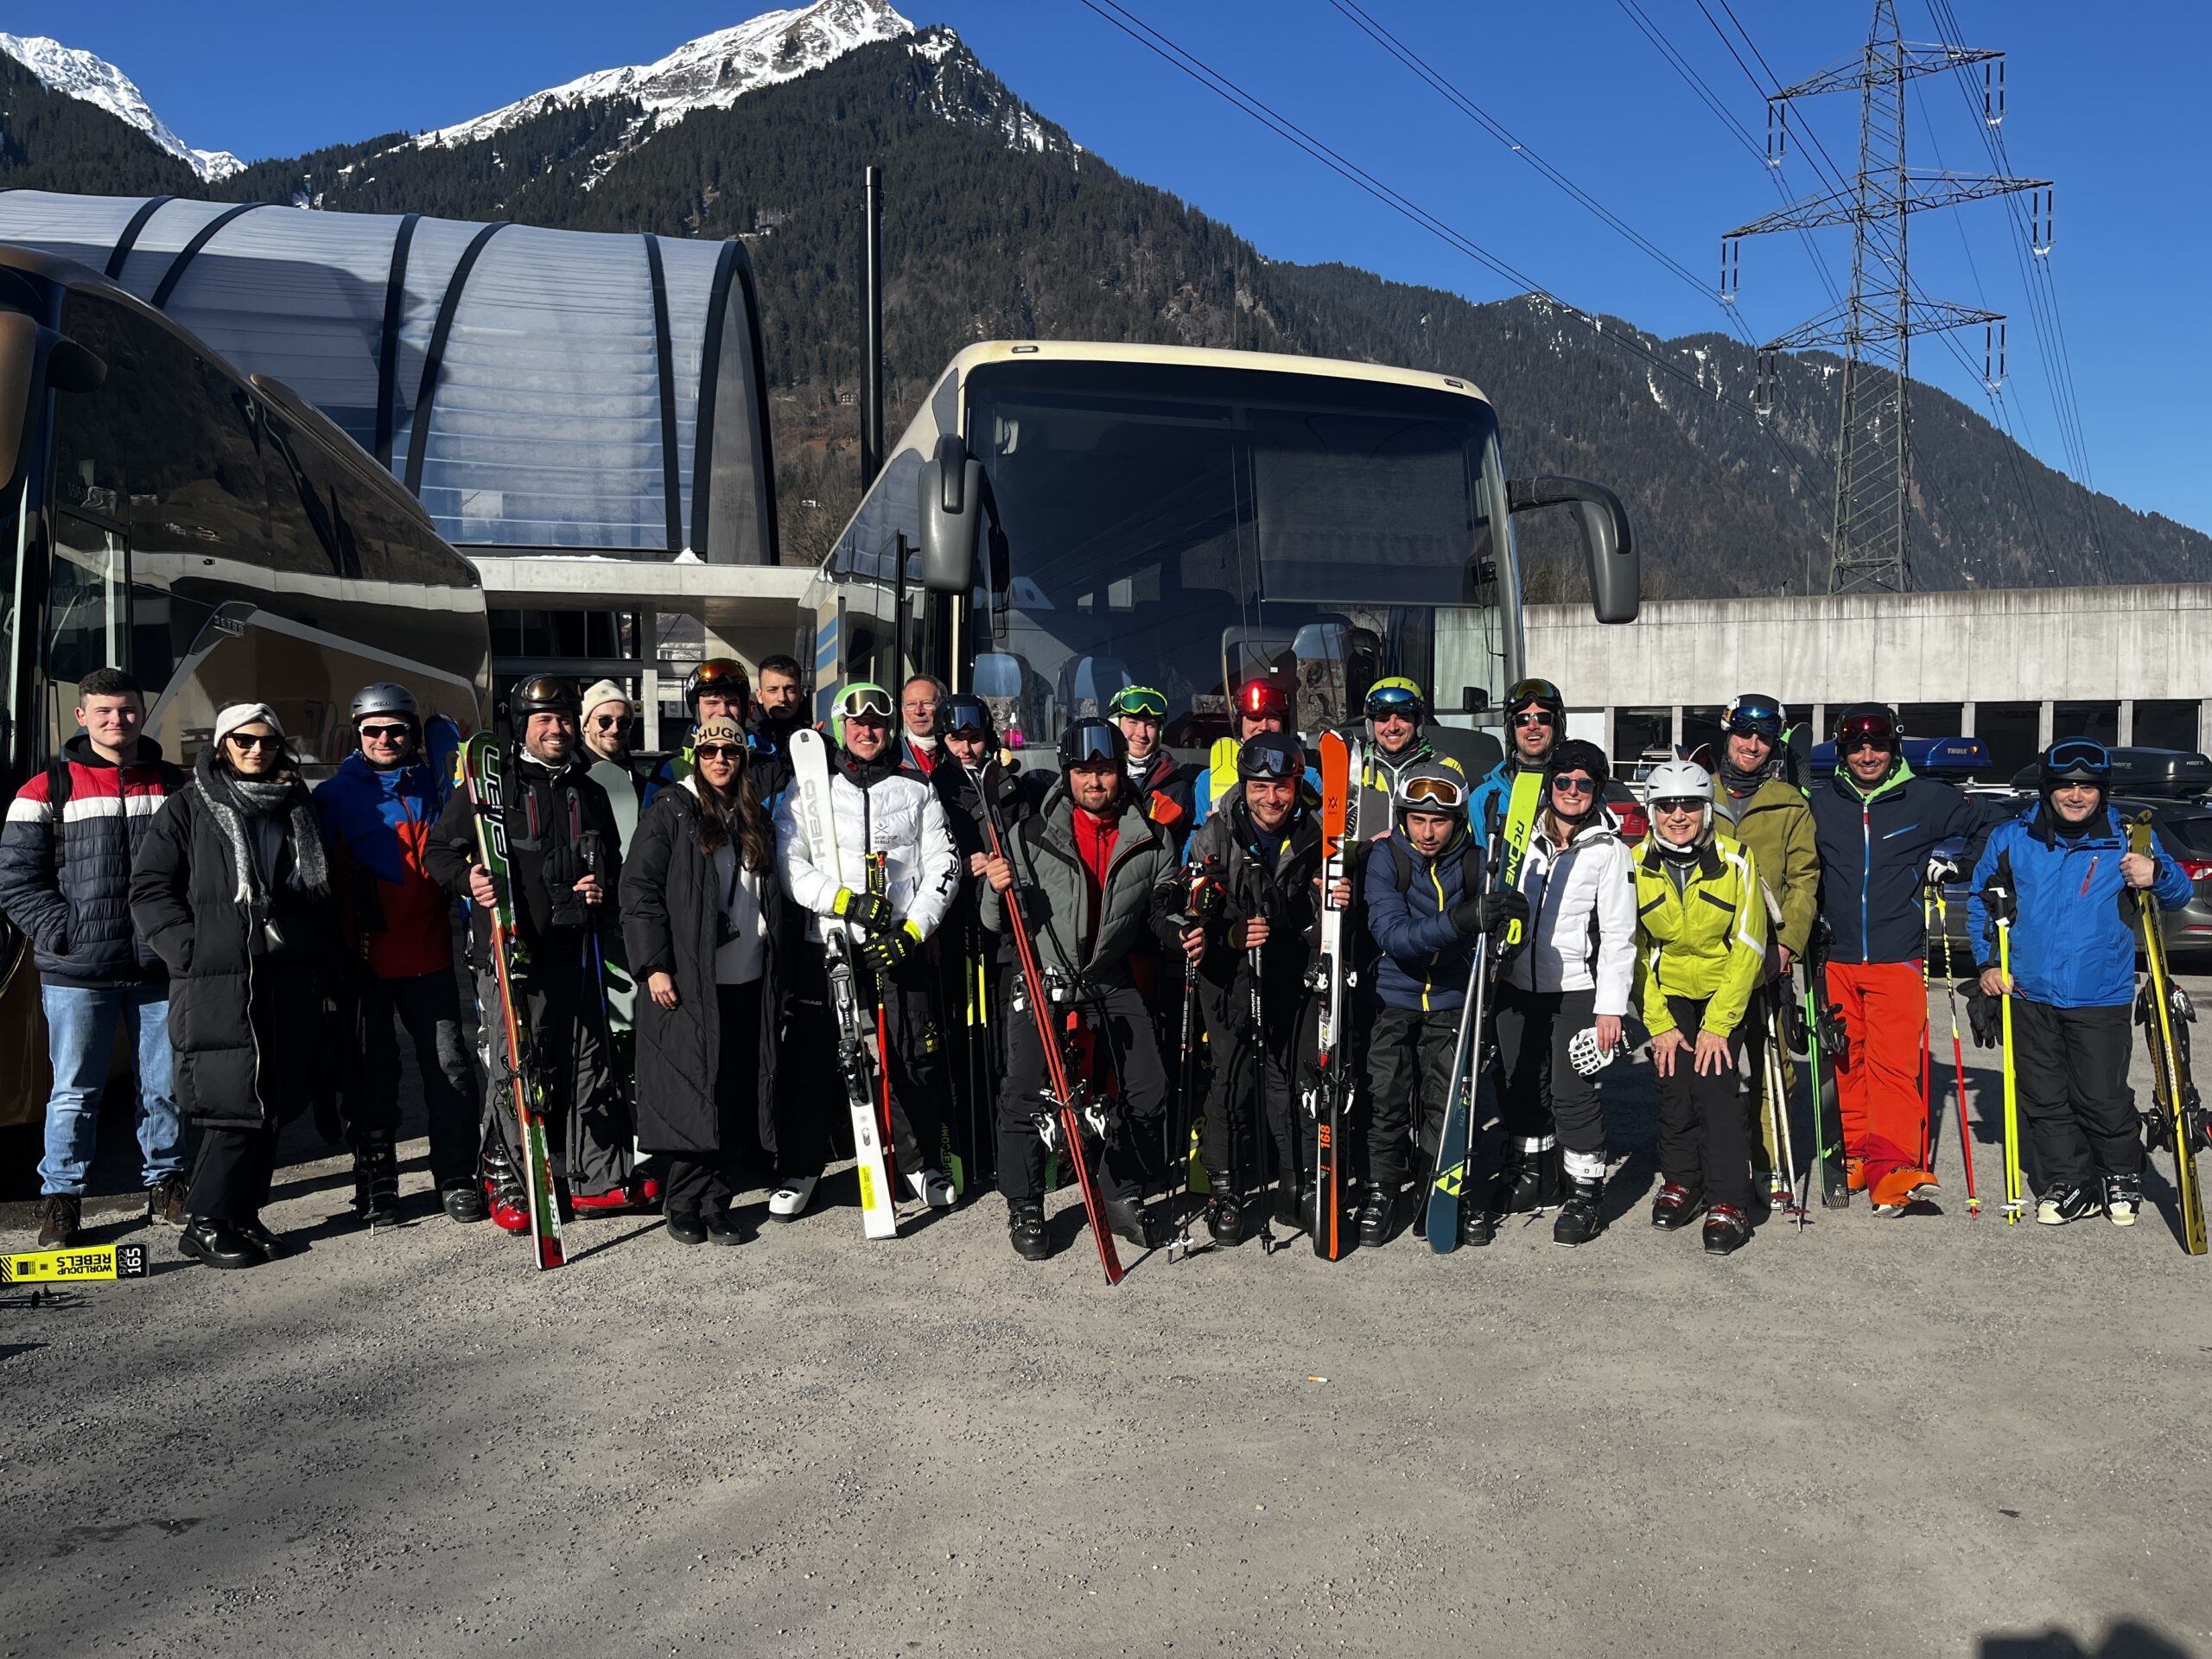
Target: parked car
(2184, 830)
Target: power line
(1162, 46)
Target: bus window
(87, 610)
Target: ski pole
(1927, 1042)
(1958, 1052)
(1777, 1071)
(2014, 1204)
(1262, 1160)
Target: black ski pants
(1256, 1128)
(1120, 1028)
(704, 1182)
(1546, 1099)
(231, 1173)
(2072, 1068)
(428, 1008)
(1703, 1142)
(588, 1127)
(1409, 1070)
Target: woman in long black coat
(702, 920)
(232, 889)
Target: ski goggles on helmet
(1398, 697)
(2078, 760)
(1092, 743)
(722, 675)
(966, 713)
(1753, 716)
(1270, 755)
(1262, 699)
(865, 702)
(543, 694)
(1438, 794)
(1522, 693)
(1877, 730)
(1140, 702)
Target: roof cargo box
(2157, 774)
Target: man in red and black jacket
(377, 815)
(65, 879)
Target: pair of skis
(2164, 1010)
(1328, 1092)
(1455, 1150)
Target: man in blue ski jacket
(2066, 863)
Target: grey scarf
(233, 799)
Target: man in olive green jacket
(1772, 819)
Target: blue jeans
(80, 1035)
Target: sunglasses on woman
(1575, 783)
(718, 751)
(254, 741)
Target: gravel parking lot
(1934, 1435)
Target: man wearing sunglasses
(377, 815)
(1089, 864)
(564, 869)
(1261, 851)
(1876, 823)
(1535, 717)
(2066, 863)
(1773, 821)
(898, 872)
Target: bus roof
(1091, 351)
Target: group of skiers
(709, 967)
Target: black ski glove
(1982, 1014)
(885, 951)
(1488, 912)
(871, 911)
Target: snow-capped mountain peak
(80, 75)
(712, 71)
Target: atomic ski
(1063, 1129)
(2164, 1009)
(1328, 1090)
(856, 1058)
(1455, 1147)
(510, 966)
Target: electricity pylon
(1871, 536)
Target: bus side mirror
(951, 491)
(73, 368)
(1608, 544)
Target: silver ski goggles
(866, 703)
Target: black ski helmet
(1534, 693)
(963, 712)
(543, 694)
(1091, 741)
(725, 675)
(1863, 722)
(2075, 760)
(1270, 755)
(1573, 754)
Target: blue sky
(2112, 113)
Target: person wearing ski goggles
(2073, 881)
(1875, 824)
(1089, 867)
(1423, 892)
(1253, 961)
(1396, 715)
(1164, 787)
(896, 873)
(1572, 976)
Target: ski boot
(1675, 1207)
(1581, 1217)
(1726, 1229)
(1378, 1210)
(2064, 1203)
(1225, 1217)
(2123, 1200)
(1025, 1222)
(464, 1204)
(1529, 1182)
(376, 1179)
(1293, 1204)
(504, 1194)
(1127, 1218)
(1478, 1225)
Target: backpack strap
(1401, 865)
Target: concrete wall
(2042, 645)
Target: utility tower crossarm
(1915, 191)
(1896, 62)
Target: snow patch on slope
(80, 75)
(711, 72)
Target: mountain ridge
(93, 80)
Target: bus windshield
(1188, 526)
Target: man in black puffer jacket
(65, 879)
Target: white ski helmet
(1679, 780)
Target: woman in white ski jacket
(1571, 979)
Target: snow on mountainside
(79, 74)
(712, 71)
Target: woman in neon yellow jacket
(1700, 938)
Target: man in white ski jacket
(1573, 974)
(900, 871)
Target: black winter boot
(1025, 1221)
(1581, 1217)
